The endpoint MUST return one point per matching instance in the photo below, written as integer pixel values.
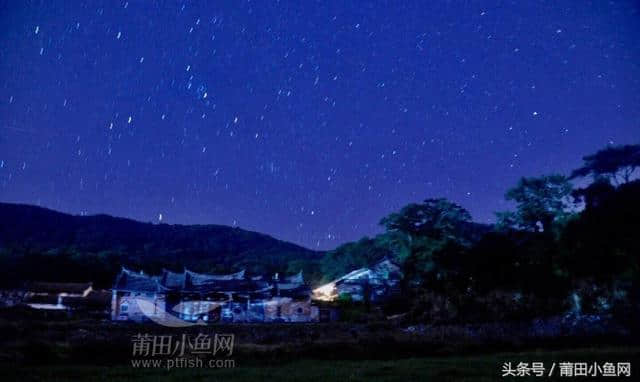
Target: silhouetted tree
(434, 218)
(594, 194)
(539, 201)
(614, 162)
(603, 243)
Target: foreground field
(472, 368)
(50, 349)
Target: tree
(539, 201)
(428, 226)
(615, 163)
(433, 218)
(595, 193)
(602, 243)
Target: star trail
(308, 121)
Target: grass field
(471, 368)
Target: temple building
(197, 297)
(54, 296)
(374, 284)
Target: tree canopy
(616, 163)
(434, 218)
(540, 201)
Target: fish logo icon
(164, 318)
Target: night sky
(308, 121)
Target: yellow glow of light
(325, 292)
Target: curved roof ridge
(239, 273)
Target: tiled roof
(387, 267)
(384, 271)
(55, 288)
(226, 286)
(297, 278)
(138, 282)
(172, 280)
(192, 282)
(194, 278)
(293, 290)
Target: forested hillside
(38, 243)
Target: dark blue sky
(305, 120)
